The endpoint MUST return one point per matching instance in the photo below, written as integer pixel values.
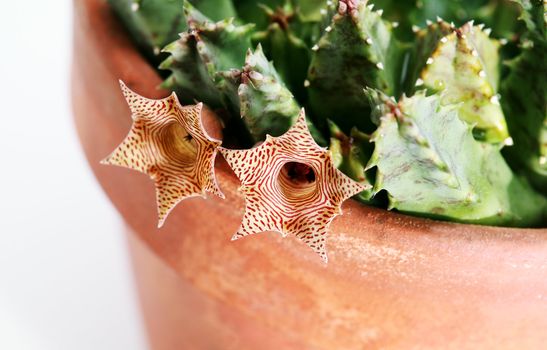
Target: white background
(65, 276)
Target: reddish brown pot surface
(392, 281)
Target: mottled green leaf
(430, 164)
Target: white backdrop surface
(65, 277)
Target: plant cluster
(440, 115)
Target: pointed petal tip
(366, 187)
(223, 151)
(173, 96)
(215, 189)
(161, 222)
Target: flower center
(178, 145)
(296, 181)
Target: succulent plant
(463, 63)
(500, 15)
(357, 49)
(350, 153)
(206, 49)
(524, 100)
(155, 23)
(266, 105)
(417, 106)
(429, 163)
(287, 39)
(260, 12)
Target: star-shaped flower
(167, 141)
(291, 186)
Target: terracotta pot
(393, 281)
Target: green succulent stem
(463, 64)
(430, 164)
(524, 99)
(155, 23)
(357, 50)
(267, 106)
(350, 155)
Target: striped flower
(167, 141)
(290, 186)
